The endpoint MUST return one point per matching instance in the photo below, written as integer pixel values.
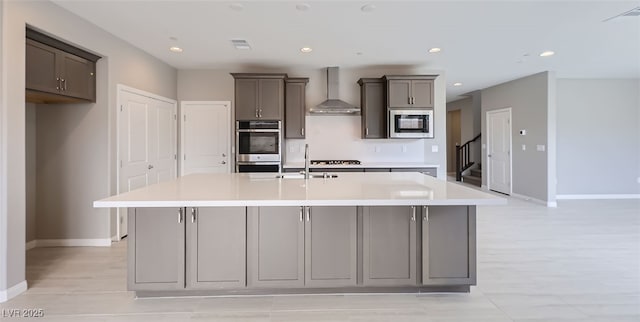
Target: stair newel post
(458, 165)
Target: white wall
(94, 168)
(324, 131)
(598, 136)
(31, 178)
(532, 100)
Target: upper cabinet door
(77, 76)
(374, 111)
(399, 93)
(271, 99)
(246, 99)
(295, 109)
(41, 72)
(422, 93)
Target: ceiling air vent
(240, 44)
(635, 12)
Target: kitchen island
(220, 234)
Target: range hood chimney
(333, 105)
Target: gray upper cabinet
(275, 246)
(295, 107)
(216, 247)
(156, 249)
(259, 96)
(389, 246)
(448, 245)
(331, 253)
(410, 91)
(56, 72)
(373, 108)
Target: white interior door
(147, 143)
(205, 133)
(499, 150)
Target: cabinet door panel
(276, 247)
(399, 93)
(78, 77)
(271, 99)
(449, 245)
(330, 256)
(246, 93)
(216, 248)
(295, 110)
(389, 246)
(156, 249)
(41, 66)
(374, 111)
(422, 92)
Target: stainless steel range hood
(333, 105)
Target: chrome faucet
(306, 161)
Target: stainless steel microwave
(410, 123)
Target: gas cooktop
(335, 162)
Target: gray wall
(3, 166)
(531, 100)
(30, 137)
(598, 136)
(218, 85)
(466, 128)
(92, 169)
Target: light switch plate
(524, 147)
(434, 148)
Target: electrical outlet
(434, 148)
(524, 147)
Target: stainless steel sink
(301, 176)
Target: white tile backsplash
(338, 137)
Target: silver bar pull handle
(180, 215)
(366, 131)
(193, 215)
(301, 214)
(308, 213)
(256, 112)
(425, 213)
(302, 131)
(413, 213)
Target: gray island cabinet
(235, 234)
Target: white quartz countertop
(296, 165)
(264, 189)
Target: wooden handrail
(462, 156)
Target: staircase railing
(463, 153)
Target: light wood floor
(577, 262)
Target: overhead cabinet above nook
(295, 107)
(259, 96)
(410, 91)
(57, 72)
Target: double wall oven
(258, 146)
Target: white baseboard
(31, 245)
(598, 196)
(551, 204)
(13, 291)
(99, 242)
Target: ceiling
(483, 43)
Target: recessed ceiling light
(175, 49)
(368, 7)
(303, 6)
(547, 53)
(173, 38)
(236, 6)
(306, 49)
(435, 50)
(457, 84)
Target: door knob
(150, 167)
(224, 155)
(223, 162)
